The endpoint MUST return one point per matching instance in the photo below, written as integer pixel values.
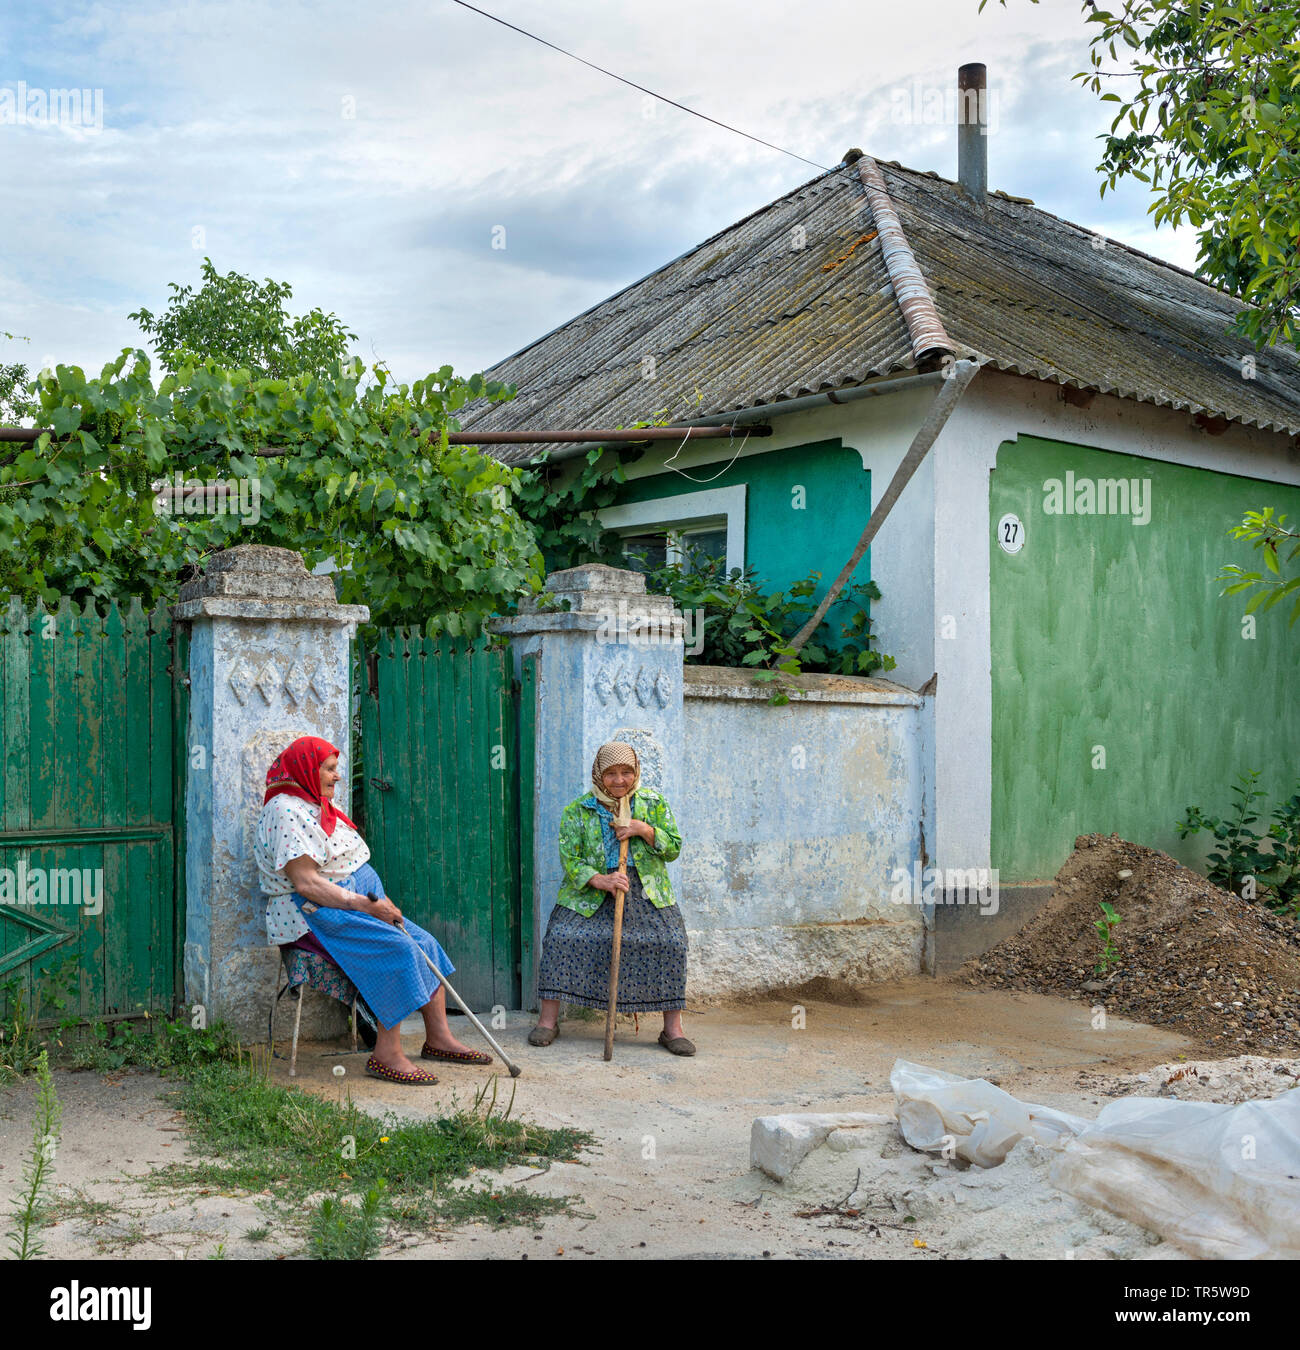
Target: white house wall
(931, 559)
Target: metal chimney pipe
(972, 140)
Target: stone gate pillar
(269, 652)
(609, 667)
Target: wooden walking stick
(622, 816)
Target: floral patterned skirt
(652, 957)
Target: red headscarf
(296, 771)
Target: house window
(683, 528)
(690, 548)
(701, 546)
(645, 552)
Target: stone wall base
(257, 977)
(963, 931)
(742, 962)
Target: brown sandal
(455, 1056)
(678, 1045)
(377, 1070)
(543, 1035)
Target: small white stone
(778, 1144)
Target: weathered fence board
(440, 742)
(92, 711)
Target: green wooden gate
(91, 800)
(442, 744)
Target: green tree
(15, 400)
(1280, 548)
(423, 532)
(243, 326)
(1207, 115)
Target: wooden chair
(300, 970)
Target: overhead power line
(633, 84)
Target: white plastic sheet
(980, 1122)
(1219, 1181)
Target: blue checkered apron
(376, 956)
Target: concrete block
(778, 1144)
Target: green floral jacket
(582, 851)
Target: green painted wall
(1107, 633)
(784, 541)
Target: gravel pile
(1204, 962)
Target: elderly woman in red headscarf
(315, 871)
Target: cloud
(365, 155)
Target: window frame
(686, 511)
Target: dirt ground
(671, 1175)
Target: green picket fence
(442, 744)
(92, 781)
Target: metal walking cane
(623, 816)
(514, 1068)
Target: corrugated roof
(776, 306)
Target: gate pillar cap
(597, 577)
(600, 589)
(256, 581)
(596, 595)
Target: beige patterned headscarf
(609, 754)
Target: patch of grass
(164, 1046)
(345, 1232)
(160, 1044)
(133, 1236)
(254, 1135)
(497, 1205)
(258, 1234)
(79, 1205)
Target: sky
(372, 155)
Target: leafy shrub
(19, 1045)
(744, 625)
(1248, 862)
(163, 1045)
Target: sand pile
(1220, 969)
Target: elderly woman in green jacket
(579, 937)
